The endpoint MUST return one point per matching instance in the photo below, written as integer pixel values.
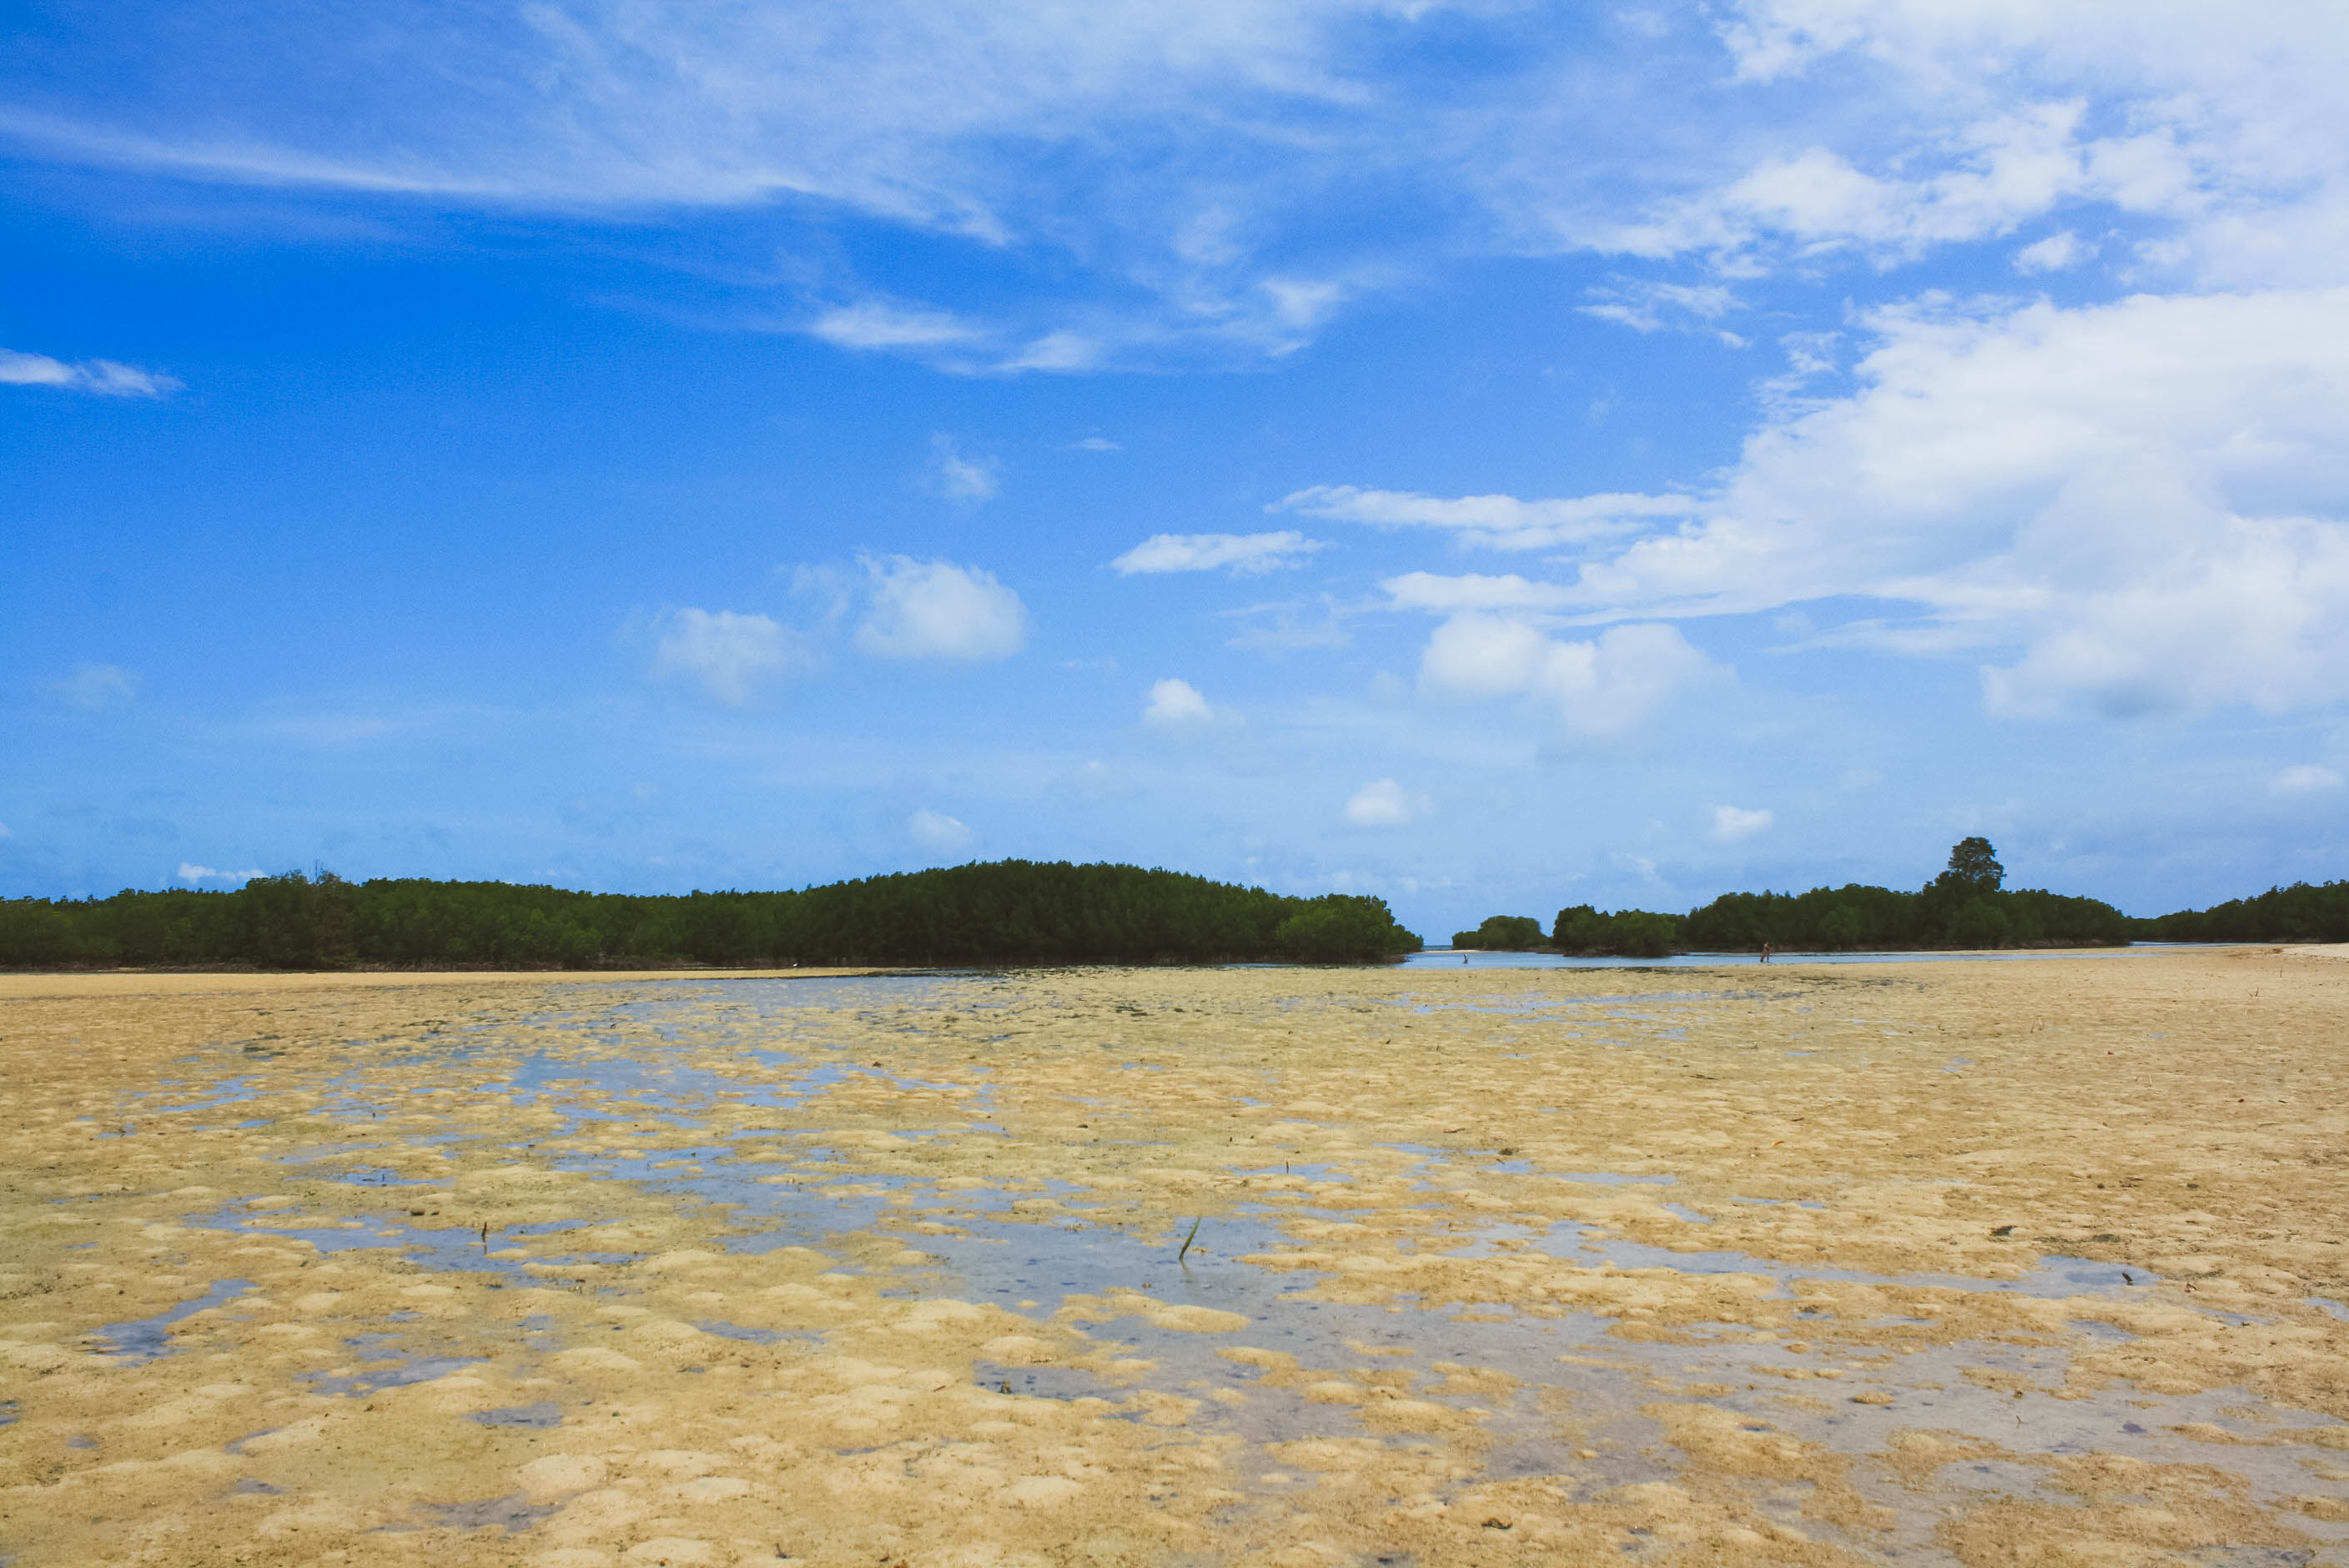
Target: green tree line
(1005, 911)
(1966, 906)
(2305, 912)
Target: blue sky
(1491, 455)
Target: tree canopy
(1503, 934)
(1005, 911)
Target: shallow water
(1475, 958)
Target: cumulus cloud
(729, 654)
(937, 831)
(2306, 779)
(1498, 521)
(1176, 704)
(2055, 253)
(1384, 803)
(961, 478)
(1732, 823)
(192, 872)
(2141, 500)
(94, 688)
(1598, 688)
(106, 378)
(1242, 554)
(936, 610)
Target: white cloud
(190, 872)
(2000, 172)
(1286, 627)
(1384, 803)
(937, 831)
(106, 378)
(961, 478)
(878, 324)
(1501, 521)
(94, 688)
(2143, 501)
(2216, 121)
(1243, 554)
(1187, 149)
(1474, 591)
(1094, 782)
(936, 610)
(1648, 306)
(1732, 823)
(732, 655)
(1176, 704)
(1603, 688)
(2055, 253)
(1096, 444)
(1148, 141)
(2306, 779)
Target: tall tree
(1973, 867)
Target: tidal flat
(1984, 1264)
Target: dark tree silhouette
(1006, 911)
(1973, 867)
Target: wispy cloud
(1174, 171)
(2307, 779)
(1645, 305)
(877, 323)
(1474, 591)
(937, 831)
(968, 480)
(192, 872)
(1497, 521)
(104, 377)
(1241, 554)
(94, 688)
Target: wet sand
(2036, 1262)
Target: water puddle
(544, 1413)
(383, 1363)
(443, 1248)
(144, 1339)
(514, 1514)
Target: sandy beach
(2017, 1263)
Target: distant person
(1767, 951)
(1463, 958)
